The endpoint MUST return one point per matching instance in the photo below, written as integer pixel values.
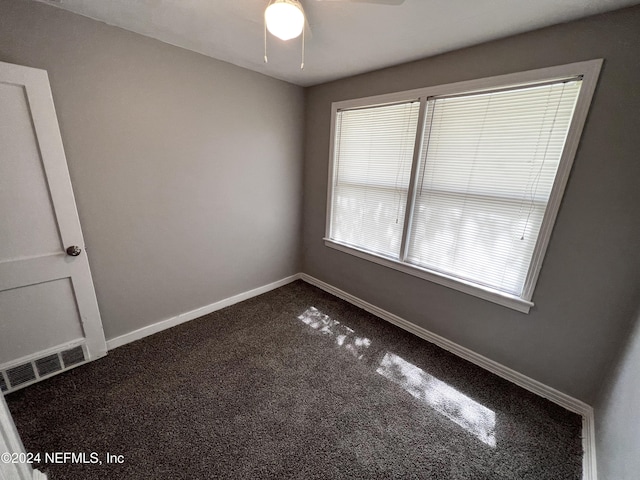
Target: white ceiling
(346, 38)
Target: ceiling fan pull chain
(266, 60)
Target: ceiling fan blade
(379, 2)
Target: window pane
(373, 157)
(488, 165)
(487, 242)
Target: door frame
(11, 443)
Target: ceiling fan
(286, 19)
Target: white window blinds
(373, 157)
(459, 184)
(488, 165)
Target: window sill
(491, 295)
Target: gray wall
(618, 415)
(187, 171)
(589, 283)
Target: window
(459, 184)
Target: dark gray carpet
(275, 387)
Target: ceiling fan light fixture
(284, 19)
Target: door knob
(74, 250)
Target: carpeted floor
(294, 383)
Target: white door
(49, 318)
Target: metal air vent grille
(48, 365)
(21, 374)
(32, 370)
(73, 356)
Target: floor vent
(48, 365)
(21, 374)
(73, 356)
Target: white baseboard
(193, 314)
(562, 399)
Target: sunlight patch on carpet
(345, 337)
(469, 414)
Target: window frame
(589, 71)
